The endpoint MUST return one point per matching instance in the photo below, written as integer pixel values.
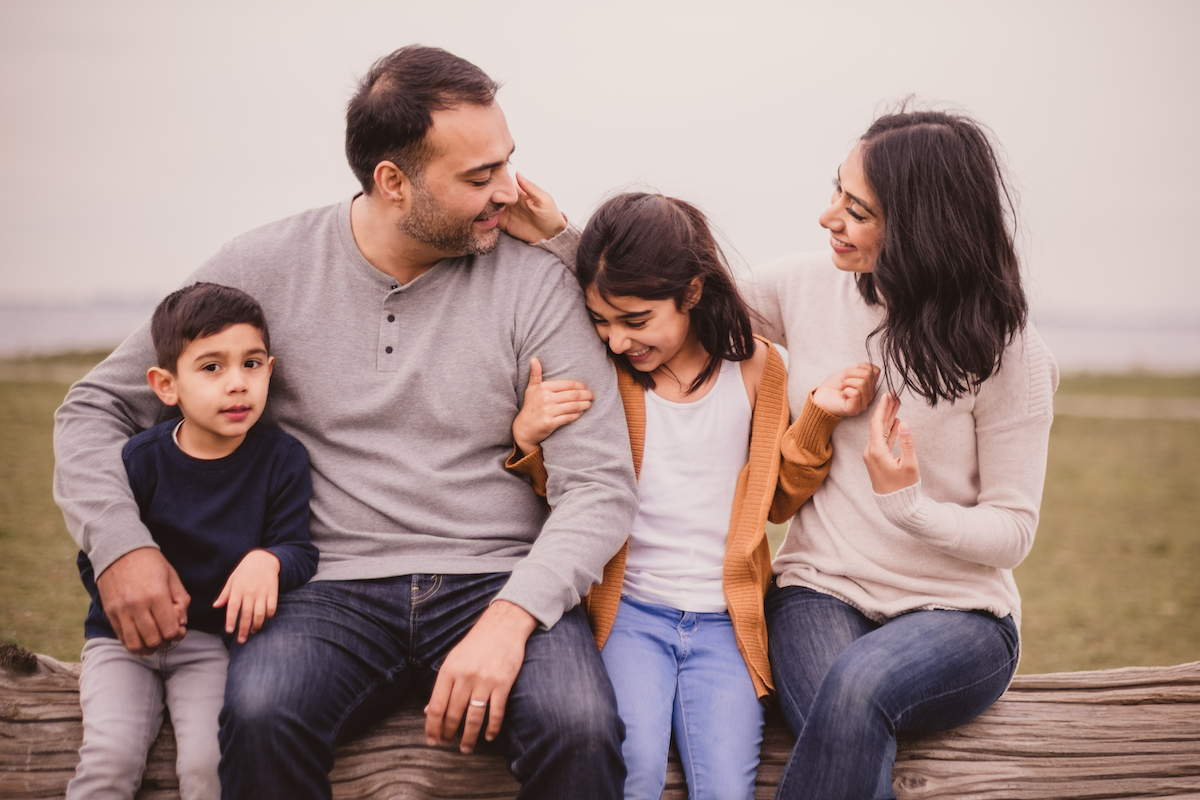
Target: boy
(227, 503)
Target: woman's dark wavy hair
(651, 246)
(947, 273)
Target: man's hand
(534, 216)
(252, 590)
(477, 676)
(144, 600)
(547, 407)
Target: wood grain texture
(1121, 733)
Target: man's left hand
(477, 676)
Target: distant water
(29, 330)
(37, 330)
(1091, 348)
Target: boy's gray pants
(123, 695)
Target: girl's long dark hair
(947, 273)
(651, 246)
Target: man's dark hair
(199, 310)
(947, 273)
(392, 110)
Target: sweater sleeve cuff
(540, 592)
(532, 466)
(935, 524)
(814, 427)
(902, 508)
(564, 245)
(118, 532)
(297, 563)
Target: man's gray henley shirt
(404, 396)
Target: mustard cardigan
(786, 465)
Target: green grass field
(1112, 579)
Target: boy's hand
(534, 216)
(849, 391)
(253, 591)
(548, 406)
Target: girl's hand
(534, 217)
(847, 392)
(888, 473)
(252, 590)
(548, 406)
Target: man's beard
(430, 224)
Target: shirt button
(391, 317)
(395, 286)
(387, 349)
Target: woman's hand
(888, 473)
(534, 216)
(847, 392)
(548, 406)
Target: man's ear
(270, 364)
(393, 185)
(692, 296)
(163, 384)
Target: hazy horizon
(138, 137)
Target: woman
(894, 608)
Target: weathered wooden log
(1131, 732)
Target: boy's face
(220, 385)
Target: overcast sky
(137, 137)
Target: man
(404, 325)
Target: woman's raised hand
(889, 473)
(534, 216)
(849, 391)
(548, 406)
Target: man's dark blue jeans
(338, 654)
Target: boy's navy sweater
(206, 515)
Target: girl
(679, 614)
(894, 607)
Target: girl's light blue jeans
(681, 671)
(848, 685)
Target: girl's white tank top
(693, 455)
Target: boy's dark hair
(652, 246)
(392, 110)
(947, 273)
(199, 310)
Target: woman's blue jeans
(339, 654)
(848, 685)
(681, 671)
